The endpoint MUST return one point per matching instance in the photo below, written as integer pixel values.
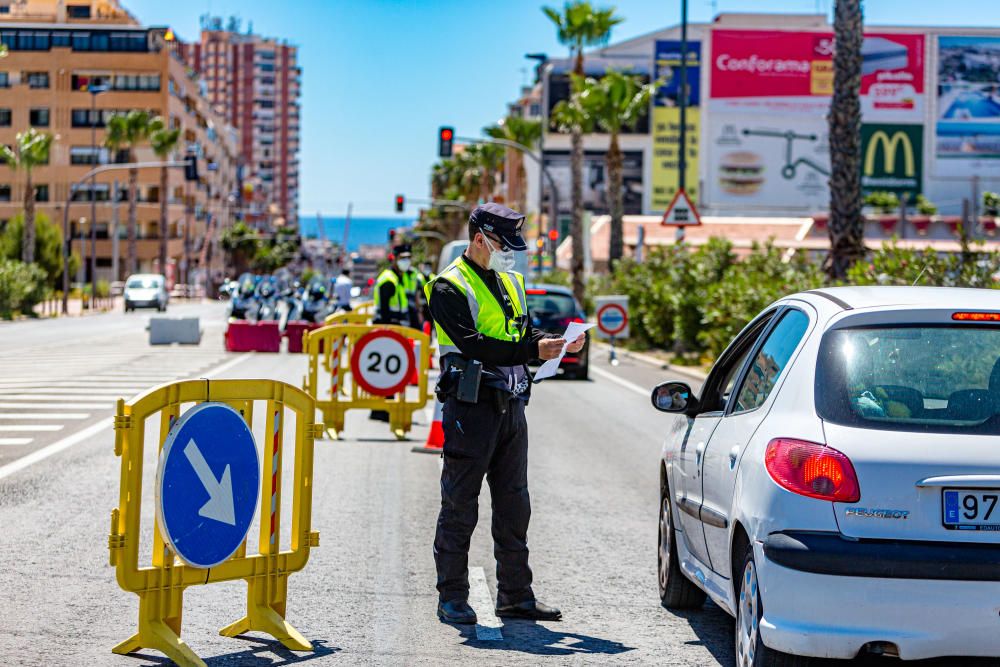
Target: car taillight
(813, 470)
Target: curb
(653, 361)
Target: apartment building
(255, 82)
(60, 53)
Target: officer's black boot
(457, 611)
(530, 609)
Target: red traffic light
(446, 133)
(445, 137)
(553, 234)
(400, 202)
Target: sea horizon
(364, 230)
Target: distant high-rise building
(254, 82)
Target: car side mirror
(675, 397)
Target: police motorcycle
(241, 294)
(316, 304)
(264, 305)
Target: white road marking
(31, 427)
(48, 405)
(488, 627)
(55, 447)
(16, 441)
(631, 386)
(63, 397)
(44, 415)
(93, 429)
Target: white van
(146, 290)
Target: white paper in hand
(573, 331)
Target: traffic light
(400, 202)
(191, 167)
(445, 137)
(553, 235)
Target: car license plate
(971, 509)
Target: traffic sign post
(207, 484)
(382, 362)
(612, 321)
(206, 498)
(681, 212)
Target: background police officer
(486, 338)
(393, 291)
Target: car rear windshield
(139, 283)
(940, 379)
(551, 305)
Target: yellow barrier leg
(268, 616)
(158, 633)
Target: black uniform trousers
(481, 441)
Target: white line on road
(631, 386)
(48, 405)
(44, 415)
(15, 441)
(31, 428)
(488, 627)
(93, 429)
(62, 397)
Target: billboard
(774, 71)
(891, 158)
(667, 124)
(770, 93)
(967, 131)
(595, 181)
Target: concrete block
(167, 330)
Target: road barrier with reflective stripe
(352, 317)
(356, 366)
(161, 586)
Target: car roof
(554, 289)
(959, 298)
(145, 275)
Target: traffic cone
(435, 438)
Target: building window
(78, 11)
(4, 80)
(4, 193)
(99, 192)
(36, 79)
(38, 117)
(4, 117)
(83, 82)
(61, 39)
(87, 155)
(41, 193)
(81, 41)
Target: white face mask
(501, 261)
(403, 264)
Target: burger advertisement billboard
(769, 97)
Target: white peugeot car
(835, 485)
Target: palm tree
(524, 132)
(614, 102)
(126, 133)
(163, 140)
(32, 149)
(846, 227)
(579, 26)
(490, 158)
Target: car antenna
(919, 275)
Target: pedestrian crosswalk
(57, 391)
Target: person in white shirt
(342, 290)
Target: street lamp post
(94, 90)
(543, 60)
(81, 274)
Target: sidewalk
(53, 307)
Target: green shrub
(48, 246)
(991, 204)
(925, 206)
(892, 265)
(883, 202)
(21, 287)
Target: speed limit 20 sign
(382, 362)
(612, 316)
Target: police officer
(486, 338)
(392, 302)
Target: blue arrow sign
(207, 484)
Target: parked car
(552, 308)
(834, 486)
(146, 290)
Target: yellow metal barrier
(160, 587)
(365, 307)
(353, 317)
(336, 390)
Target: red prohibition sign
(600, 318)
(382, 364)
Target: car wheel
(676, 590)
(750, 648)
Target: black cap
(502, 222)
(402, 249)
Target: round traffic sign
(207, 484)
(382, 362)
(612, 318)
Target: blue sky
(380, 76)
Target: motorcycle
(241, 294)
(316, 304)
(264, 305)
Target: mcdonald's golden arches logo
(892, 158)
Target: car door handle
(734, 454)
(698, 452)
